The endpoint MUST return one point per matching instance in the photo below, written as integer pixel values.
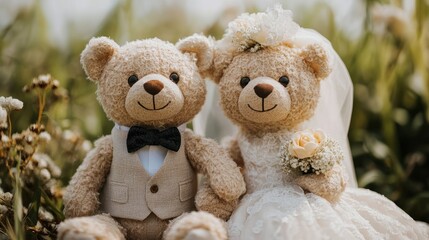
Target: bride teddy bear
(270, 72)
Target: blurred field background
(385, 45)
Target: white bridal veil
(333, 113)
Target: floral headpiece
(251, 32)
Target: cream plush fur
(109, 66)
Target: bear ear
(316, 57)
(202, 47)
(96, 55)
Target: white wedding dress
(276, 208)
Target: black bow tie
(139, 137)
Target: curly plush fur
(110, 65)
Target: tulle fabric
(288, 213)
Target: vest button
(154, 188)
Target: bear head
(267, 81)
(150, 83)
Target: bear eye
(132, 79)
(174, 77)
(284, 80)
(244, 81)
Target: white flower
(3, 209)
(45, 175)
(305, 143)
(3, 117)
(86, 146)
(4, 138)
(44, 215)
(10, 104)
(45, 78)
(253, 31)
(45, 137)
(389, 18)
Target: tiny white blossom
(86, 146)
(10, 104)
(3, 209)
(45, 215)
(69, 135)
(6, 197)
(45, 174)
(3, 117)
(44, 78)
(45, 137)
(389, 18)
(5, 138)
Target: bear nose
(263, 90)
(153, 86)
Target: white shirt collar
(126, 129)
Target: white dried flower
(389, 18)
(3, 209)
(45, 175)
(70, 136)
(44, 79)
(258, 30)
(10, 104)
(3, 118)
(44, 215)
(5, 138)
(86, 146)
(45, 137)
(6, 197)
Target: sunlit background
(385, 45)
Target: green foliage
(389, 133)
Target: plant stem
(10, 126)
(17, 203)
(42, 97)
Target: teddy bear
(143, 176)
(269, 71)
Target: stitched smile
(154, 109)
(263, 110)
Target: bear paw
(90, 228)
(196, 226)
(200, 234)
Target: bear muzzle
(264, 100)
(154, 97)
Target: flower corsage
(310, 151)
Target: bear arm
(231, 145)
(329, 185)
(81, 196)
(210, 159)
(207, 200)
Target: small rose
(305, 143)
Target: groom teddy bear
(144, 174)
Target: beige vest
(130, 192)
